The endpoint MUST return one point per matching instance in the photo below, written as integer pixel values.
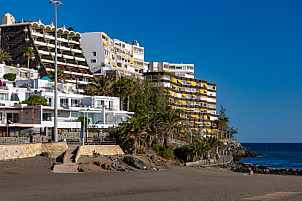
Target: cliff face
(239, 151)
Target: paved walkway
(69, 165)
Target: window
(49, 101)
(2, 96)
(63, 102)
(75, 102)
(93, 60)
(100, 103)
(111, 105)
(46, 116)
(12, 118)
(94, 54)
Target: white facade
(103, 111)
(103, 54)
(181, 70)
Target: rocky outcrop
(244, 168)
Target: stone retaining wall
(51, 150)
(87, 150)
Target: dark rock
(98, 163)
(134, 162)
(106, 166)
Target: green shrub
(10, 76)
(165, 152)
(35, 100)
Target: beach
(32, 179)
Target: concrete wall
(87, 150)
(52, 150)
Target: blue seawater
(275, 155)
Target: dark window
(46, 116)
(111, 105)
(93, 60)
(12, 118)
(94, 54)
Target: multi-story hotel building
(181, 70)
(16, 37)
(106, 56)
(197, 98)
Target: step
(66, 168)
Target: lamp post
(56, 73)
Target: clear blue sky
(252, 50)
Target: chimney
(39, 21)
(51, 24)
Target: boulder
(134, 162)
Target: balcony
(49, 36)
(40, 43)
(68, 57)
(76, 50)
(80, 59)
(43, 52)
(64, 48)
(38, 34)
(63, 40)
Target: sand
(32, 179)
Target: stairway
(69, 165)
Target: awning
(194, 115)
(105, 44)
(137, 68)
(179, 80)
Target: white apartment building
(16, 119)
(181, 70)
(106, 54)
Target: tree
(120, 90)
(61, 76)
(35, 100)
(4, 56)
(100, 86)
(83, 121)
(223, 127)
(10, 76)
(29, 53)
(130, 90)
(70, 29)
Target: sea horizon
(275, 155)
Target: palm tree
(169, 119)
(29, 53)
(61, 76)
(120, 90)
(4, 56)
(100, 86)
(129, 90)
(199, 148)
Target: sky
(251, 49)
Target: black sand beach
(32, 179)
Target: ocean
(275, 155)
